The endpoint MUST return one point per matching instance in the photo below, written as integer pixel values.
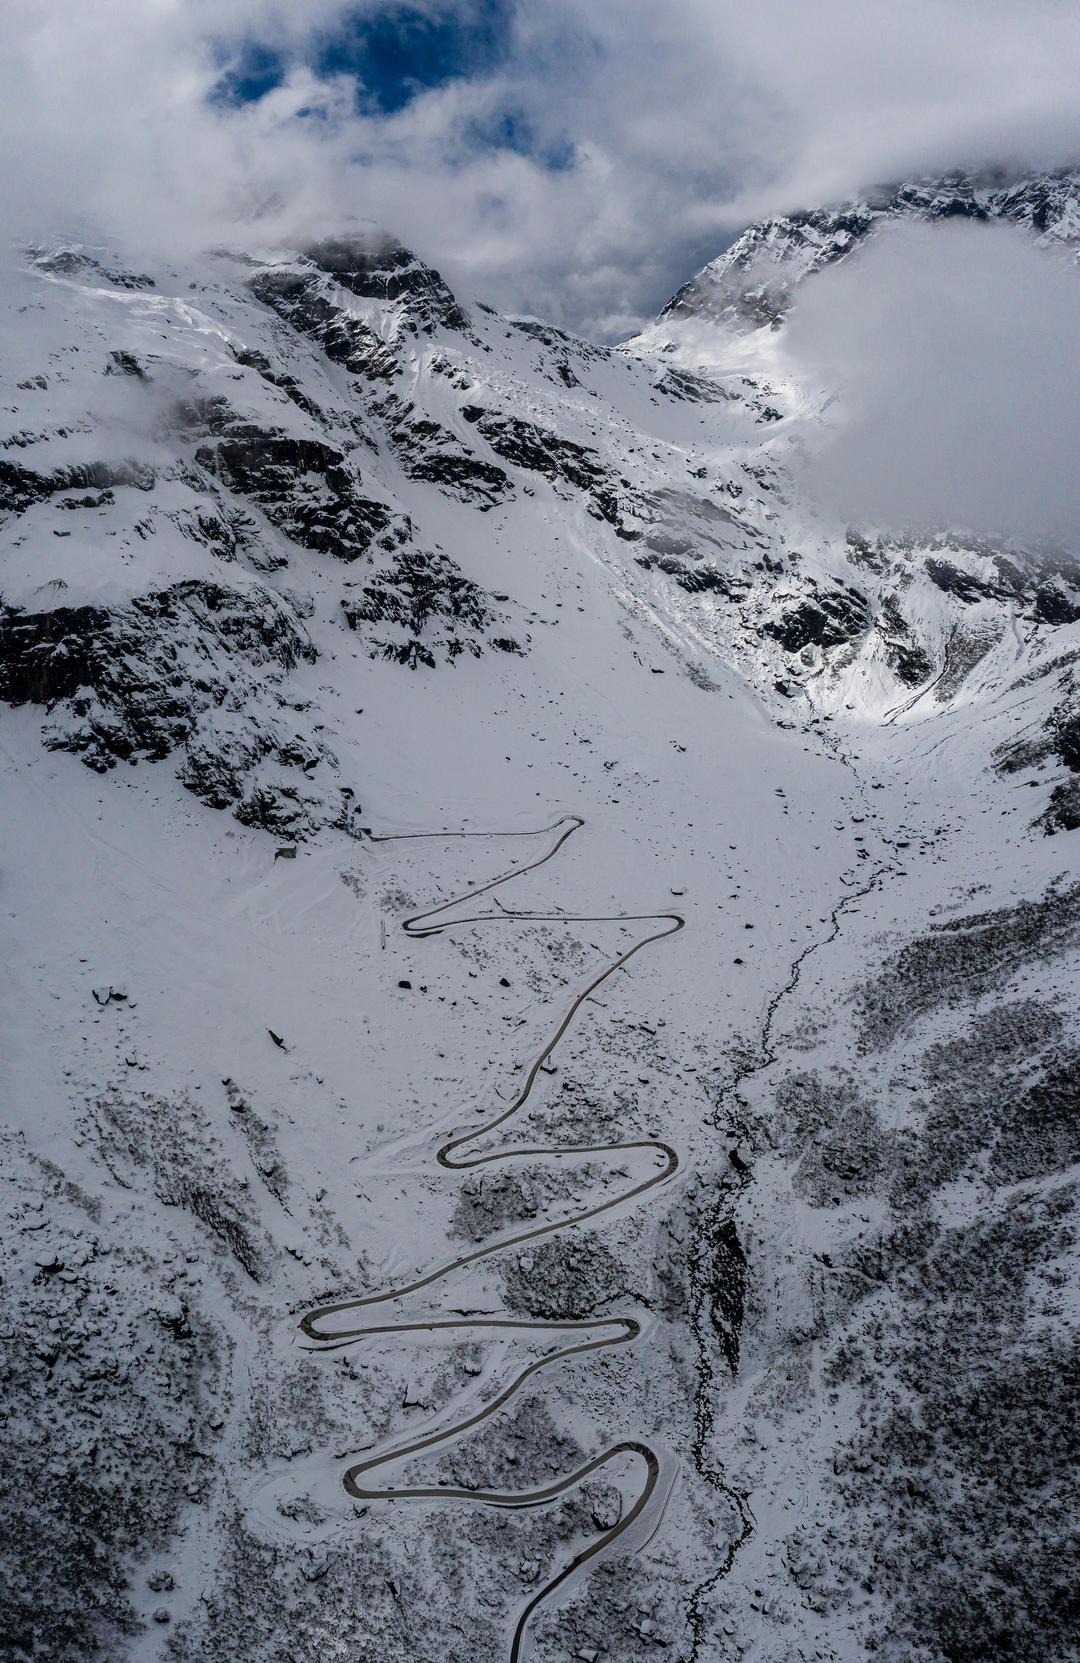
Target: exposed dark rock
(912, 665)
(288, 384)
(1063, 810)
(1060, 737)
(48, 656)
(191, 666)
(557, 340)
(704, 579)
(306, 295)
(562, 461)
(21, 487)
(491, 1202)
(380, 268)
(126, 363)
(303, 298)
(262, 773)
(71, 263)
(1039, 578)
(685, 386)
(827, 619)
(525, 445)
(1055, 605)
(1066, 731)
(862, 552)
(437, 610)
(964, 585)
(307, 489)
(427, 451)
(721, 1281)
(910, 661)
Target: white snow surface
(783, 798)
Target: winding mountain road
(319, 1324)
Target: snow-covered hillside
(689, 1188)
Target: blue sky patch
(514, 130)
(255, 72)
(403, 51)
(393, 56)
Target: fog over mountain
(573, 162)
(957, 349)
(541, 901)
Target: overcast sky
(575, 158)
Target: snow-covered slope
(308, 567)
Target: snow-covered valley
(754, 1332)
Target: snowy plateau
(540, 1025)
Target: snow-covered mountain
(750, 286)
(752, 1331)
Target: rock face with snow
(307, 565)
(752, 284)
(234, 456)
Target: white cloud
(686, 116)
(955, 352)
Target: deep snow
(860, 1046)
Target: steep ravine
(720, 1301)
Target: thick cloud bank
(955, 353)
(579, 161)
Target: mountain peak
(751, 285)
(376, 266)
